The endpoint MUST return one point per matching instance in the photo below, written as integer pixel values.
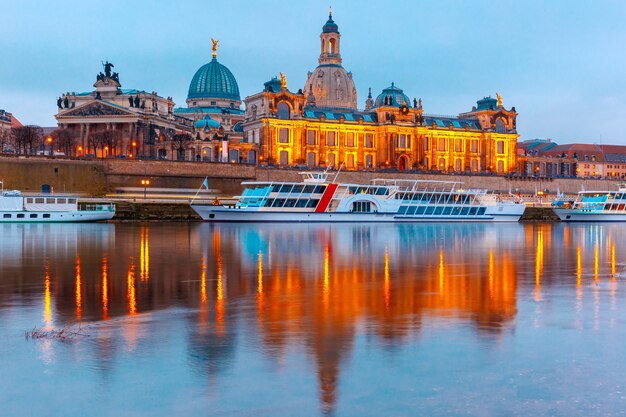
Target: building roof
(446, 121)
(334, 114)
(397, 97)
(210, 110)
(206, 123)
(330, 26)
(580, 151)
(213, 80)
(487, 103)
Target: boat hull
(573, 215)
(211, 213)
(57, 217)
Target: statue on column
(59, 102)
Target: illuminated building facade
(320, 125)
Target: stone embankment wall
(97, 177)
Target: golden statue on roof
(214, 48)
(499, 97)
(283, 81)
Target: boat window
(382, 191)
(473, 211)
(403, 209)
(33, 215)
(309, 189)
(291, 202)
(313, 203)
(411, 210)
(50, 200)
(465, 211)
(61, 200)
(438, 210)
(481, 211)
(447, 211)
(456, 211)
(39, 200)
(7, 215)
(46, 215)
(301, 202)
(20, 216)
(297, 189)
(279, 202)
(29, 200)
(268, 203)
(362, 207)
(275, 188)
(71, 201)
(285, 188)
(420, 210)
(430, 210)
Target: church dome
(396, 94)
(213, 80)
(206, 123)
(332, 87)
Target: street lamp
(145, 182)
(49, 140)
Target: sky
(562, 64)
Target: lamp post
(145, 182)
(49, 140)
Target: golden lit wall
(362, 145)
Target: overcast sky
(562, 64)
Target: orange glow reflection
(47, 303)
(596, 261)
(131, 296)
(441, 271)
(613, 263)
(219, 302)
(144, 255)
(78, 291)
(490, 266)
(538, 264)
(203, 295)
(387, 284)
(105, 287)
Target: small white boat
(18, 208)
(594, 206)
(317, 200)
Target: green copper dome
(213, 80)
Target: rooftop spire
(330, 12)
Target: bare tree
(26, 138)
(65, 140)
(108, 141)
(181, 142)
(5, 139)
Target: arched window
(500, 128)
(332, 46)
(284, 112)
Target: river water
(178, 319)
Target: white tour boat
(317, 200)
(594, 206)
(18, 208)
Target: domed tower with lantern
(330, 84)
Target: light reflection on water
(188, 319)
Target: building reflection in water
(309, 286)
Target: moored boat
(16, 207)
(594, 206)
(316, 199)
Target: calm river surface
(308, 320)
